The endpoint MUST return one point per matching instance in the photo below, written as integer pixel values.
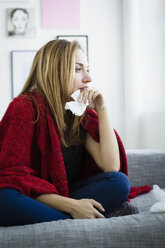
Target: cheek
(75, 84)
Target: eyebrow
(82, 64)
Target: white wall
(144, 77)
(152, 120)
(101, 20)
(127, 60)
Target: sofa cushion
(146, 167)
(140, 230)
(144, 202)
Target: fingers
(98, 214)
(88, 95)
(88, 209)
(80, 97)
(96, 93)
(97, 205)
(83, 96)
(92, 95)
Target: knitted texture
(30, 152)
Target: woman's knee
(121, 183)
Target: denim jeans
(110, 189)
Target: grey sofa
(140, 230)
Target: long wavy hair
(52, 75)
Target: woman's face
(20, 20)
(81, 75)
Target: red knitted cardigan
(30, 152)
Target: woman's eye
(78, 69)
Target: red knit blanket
(30, 152)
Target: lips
(83, 88)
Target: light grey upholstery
(146, 167)
(143, 230)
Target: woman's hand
(87, 209)
(94, 98)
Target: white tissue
(158, 207)
(159, 194)
(77, 108)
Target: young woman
(55, 165)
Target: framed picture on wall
(21, 22)
(21, 62)
(82, 39)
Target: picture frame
(21, 22)
(82, 39)
(21, 61)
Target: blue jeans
(110, 189)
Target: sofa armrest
(146, 167)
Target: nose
(87, 78)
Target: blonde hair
(52, 74)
